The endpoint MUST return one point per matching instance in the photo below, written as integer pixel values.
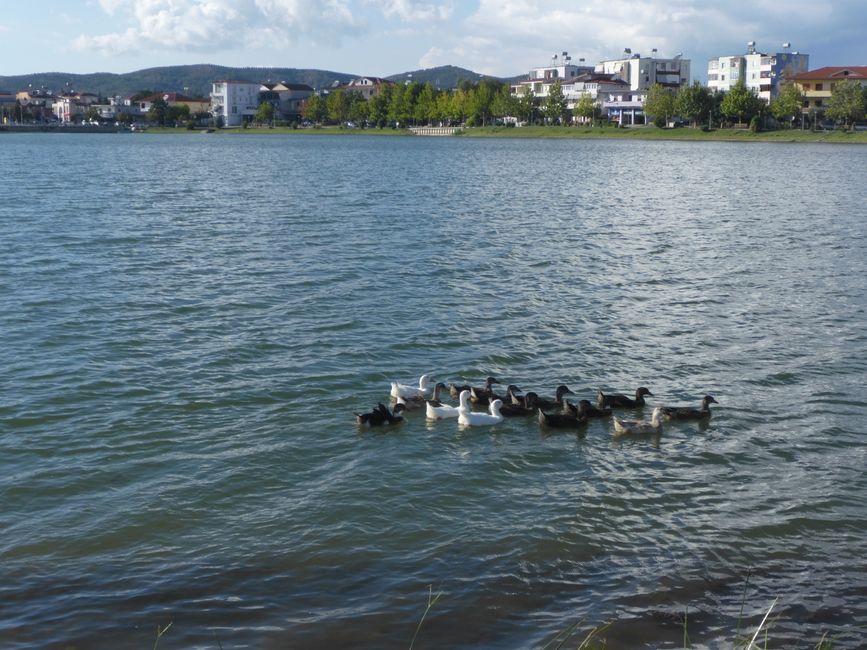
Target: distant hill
(444, 76)
(192, 80)
(196, 80)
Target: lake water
(189, 323)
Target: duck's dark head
(562, 389)
(530, 399)
(490, 380)
(708, 399)
(642, 391)
(512, 389)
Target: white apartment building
(641, 72)
(761, 72)
(638, 73)
(234, 101)
(540, 80)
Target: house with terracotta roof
(196, 105)
(817, 85)
(366, 87)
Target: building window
(818, 102)
(818, 86)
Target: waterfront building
(540, 79)
(639, 73)
(286, 98)
(366, 87)
(196, 105)
(234, 101)
(761, 72)
(817, 85)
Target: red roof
(833, 72)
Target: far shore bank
(542, 132)
(577, 132)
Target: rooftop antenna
(751, 47)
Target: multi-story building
(639, 73)
(366, 87)
(234, 101)
(540, 80)
(763, 73)
(817, 85)
(286, 98)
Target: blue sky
(384, 37)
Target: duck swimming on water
(626, 427)
(415, 403)
(603, 400)
(688, 413)
(560, 420)
(557, 402)
(379, 416)
(466, 417)
(411, 392)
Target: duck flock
(483, 406)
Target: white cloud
(212, 25)
(413, 11)
(110, 6)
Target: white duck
(411, 392)
(625, 427)
(417, 403)
(441, 412)
(468, 418)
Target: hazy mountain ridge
(196, 80)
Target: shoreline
(683, 134)
(578, 133)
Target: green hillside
(196, 80)
(193, 80)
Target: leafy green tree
(528, 105)
(358, 108)
(846, 103)
(555, 105)
(479, 104)
(692, 103)
(504, 103)
(586, 108)
(91, 115)
(337, 106)
(265, 113)
(399, 108)
(377, 107)
(159, 111)
(314, 109)
(423, 110)
(443, 107)
(659, 103)
(741, 103)
(786, 106)
(459, 105)
(179, 114)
